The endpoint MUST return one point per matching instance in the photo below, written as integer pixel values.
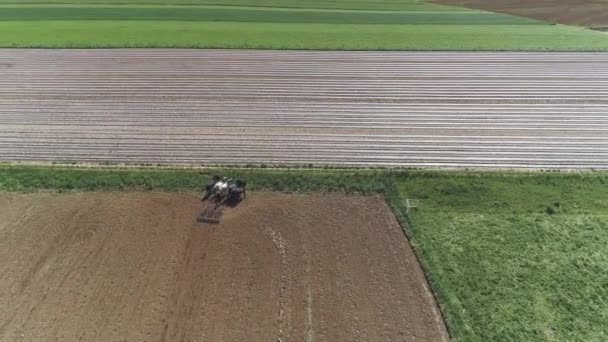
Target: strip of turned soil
(136, 266)
(589, 13)
(193, 107)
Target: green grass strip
(33, 178)
(387, 5)
(419, 8)
(115, 34)
(237, 14)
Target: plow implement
(210, 214)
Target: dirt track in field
(137, 267)
(231, 107)
(590, 13)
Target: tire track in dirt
(307, 253)
(279, 244)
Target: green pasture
(511, 256)
(274, 24)
(253, 14)
(194, 34)
(515, 257)
(389, 5)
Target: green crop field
(252, 14)
(516, 257)
(274, 24)
(322, 4)
(90, 34)
(511, 256)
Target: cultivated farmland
(589, 13)
(194, 107)
(136, 266)
(512, 256)
(350, 25)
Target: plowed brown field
(136, 266)
(593, 13)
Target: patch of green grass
(252, 14)
(515, 257)
(32, 178)
(187, 34)
(389, 5)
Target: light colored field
(534, 110)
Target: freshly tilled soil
(591, 13)
(136, 266)
(326, 108)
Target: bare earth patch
(589, 13)
(136, 266)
